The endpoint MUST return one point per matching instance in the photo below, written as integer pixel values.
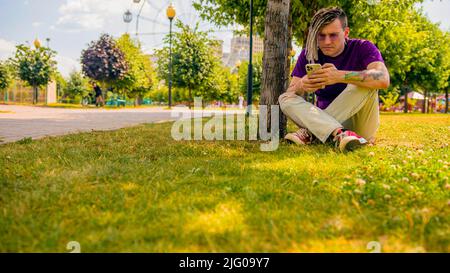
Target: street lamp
(170, 14)
(127, 17)
(250, 65)
(48, 42)
(37, 43)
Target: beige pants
(356, 109)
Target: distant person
(350, 72)
(98, 95)
(241, 102)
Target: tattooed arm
(376, 76)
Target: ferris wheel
(151, 24)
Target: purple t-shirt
(357, 55)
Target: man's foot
(346, 140)
(302, 137)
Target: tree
(415, 50)
(138, 80)
(104, 61)
(400, 31)
(257, 69)
(77, 85)
(389, 100)
(223, 12)
(193, 60)
(34, 66)
(224, 88)
(61, 84)
(5, 75)
(276, 62)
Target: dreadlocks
(322, 18)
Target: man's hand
(327, 75)
(312, 85)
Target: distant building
(240, 49)
(218, 50)
(153, 58)
(225, 57)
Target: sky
(72, 24)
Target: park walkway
(18, 122)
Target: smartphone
(310, 68)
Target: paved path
(17, 122)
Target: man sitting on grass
(346, 85)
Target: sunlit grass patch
(138, 190)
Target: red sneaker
(346, 140)
(302, 137)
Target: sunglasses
(333, 36)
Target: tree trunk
(406, 100)
(190, 98)
(283, 119)
(35, 94)
(138, 100)
(425, 99)
(276, 57)
(446, 100)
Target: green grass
(108, 107)
(137, 190)
(79, 106)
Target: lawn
(137, 190)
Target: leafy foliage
(34, 66)
(416, 51)
(193, 60)
(103, 60)
(223, 12)
(390, 99)
(5, 76)
(225, 87)
(139, 79)
(77, 85)
(257, 76)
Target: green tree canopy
(193, 60)
(224, 13)
(138, 80)
(257, 76)
(5, 75)
(77, 85)
(224, 88)
(34, 66)
(103, 60)
(414, 49)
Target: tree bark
(425, 100)
(190, 98)
(35, 94)
(446, 100)
(137, 101)
(283, 119)
(406, 99)
(277, 42)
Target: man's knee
(284, 99)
